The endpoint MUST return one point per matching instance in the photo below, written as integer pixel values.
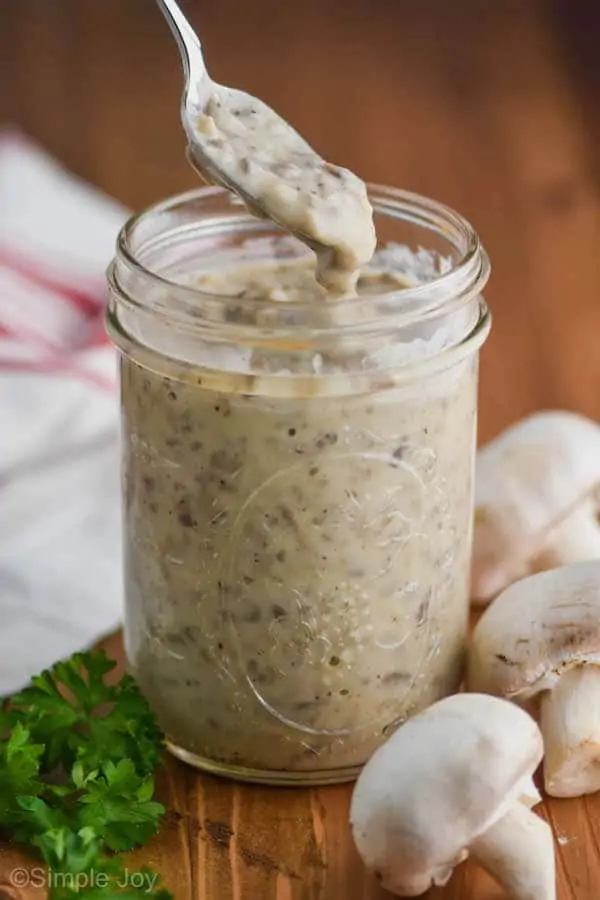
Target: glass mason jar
(297, 486)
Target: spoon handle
(189, 46)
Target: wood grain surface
(491, 107)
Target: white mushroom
(456, 779)
(536, 501)
(542, 637)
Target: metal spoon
(199, 90)
(239, 142)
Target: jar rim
(453, 287)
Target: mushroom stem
(570, 723)
(518, 851)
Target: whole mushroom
(540, 641)
(536, 500)
(452, 781)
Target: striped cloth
(60, 579)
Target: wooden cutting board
(223, 841)
(491, 107)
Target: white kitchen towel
(60, 545)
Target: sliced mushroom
(456, 779)
(540, 641)
(536, 500)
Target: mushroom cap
(440, 781)
(526, 480)
(535, 629)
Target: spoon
(237, 141)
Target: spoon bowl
(237, 141)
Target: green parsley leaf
(75, 715)
(19, 772)
(117, 805)
(77, 757)
(69, 851)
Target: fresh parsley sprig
(76, 715)
(77, 759)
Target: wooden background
(489, 106)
